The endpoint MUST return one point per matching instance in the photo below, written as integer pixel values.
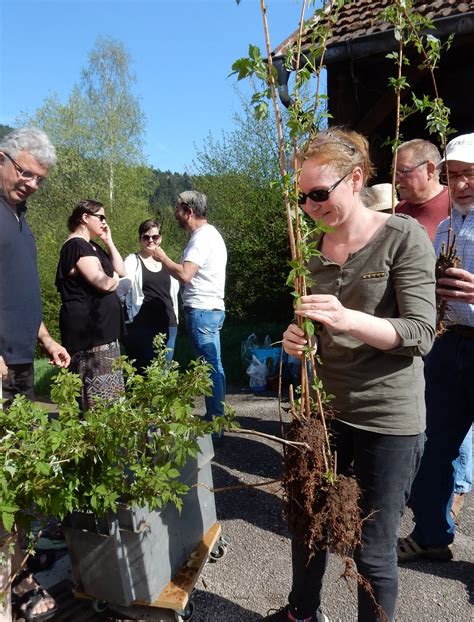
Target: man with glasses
(417, 177)
(26, 154)
(202, 272)
(449, 370)
(25, 157)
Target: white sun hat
(461, 149)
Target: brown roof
(360, 18)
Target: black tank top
(157, 308)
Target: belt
(464, 331)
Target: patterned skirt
(99, 380)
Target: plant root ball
(322, 507)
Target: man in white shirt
(202, 272)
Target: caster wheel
(187, 614)
(218, 552)
(100, 606)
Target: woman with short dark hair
(91, 319)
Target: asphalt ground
(255, 574)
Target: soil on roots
(322, 510)
(446, 259)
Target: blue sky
(182, 52)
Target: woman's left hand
(325, 309)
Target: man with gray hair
(202, 271)
(26, 154)
(417, 177)
(449, 370)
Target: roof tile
(360, 17)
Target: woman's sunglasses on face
(101, 217)
(147, 238)
(320, 195)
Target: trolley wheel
(218, 552)
(100, 605)
(187, 614)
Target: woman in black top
(152, 301)
(91, 317)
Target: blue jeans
(173, 331)
(204, 326)
(384, 466)
(463, 467)
(449, 373)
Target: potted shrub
(141, 452)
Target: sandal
(457, 505)
(31, 598)
(408, 550)
(40, 560)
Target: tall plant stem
(431, 68)
(279, 125)
(397, 123)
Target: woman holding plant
(91, 315)
(373, 296)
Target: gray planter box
(132, 555)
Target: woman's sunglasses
(320, 195)
(101, 217)
(147, 237)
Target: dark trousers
(384, 466)
(138, 342)
(449, 374)
(20, 380)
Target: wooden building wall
(359, 96)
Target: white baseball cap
(460, 148)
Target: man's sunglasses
(101, 217)
(147, 237)
(320, 195)
(24, 174)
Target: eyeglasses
(320, 195)
(401, 172)
(147, 237)
(101, 217)
(467, 177)
(26, 175)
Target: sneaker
(284, 615)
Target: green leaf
(8, 521)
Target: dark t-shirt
(88, 317)
(157, 310)
(20, 299)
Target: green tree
(4, 130)
(112, 113)
(98, 134)
(237, 172)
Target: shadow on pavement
(210, 607)
(459, 570)
(256, 506)
(250, 455)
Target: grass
(44, 374)
(232, 335)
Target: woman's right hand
(106, 235)
(294, 340)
